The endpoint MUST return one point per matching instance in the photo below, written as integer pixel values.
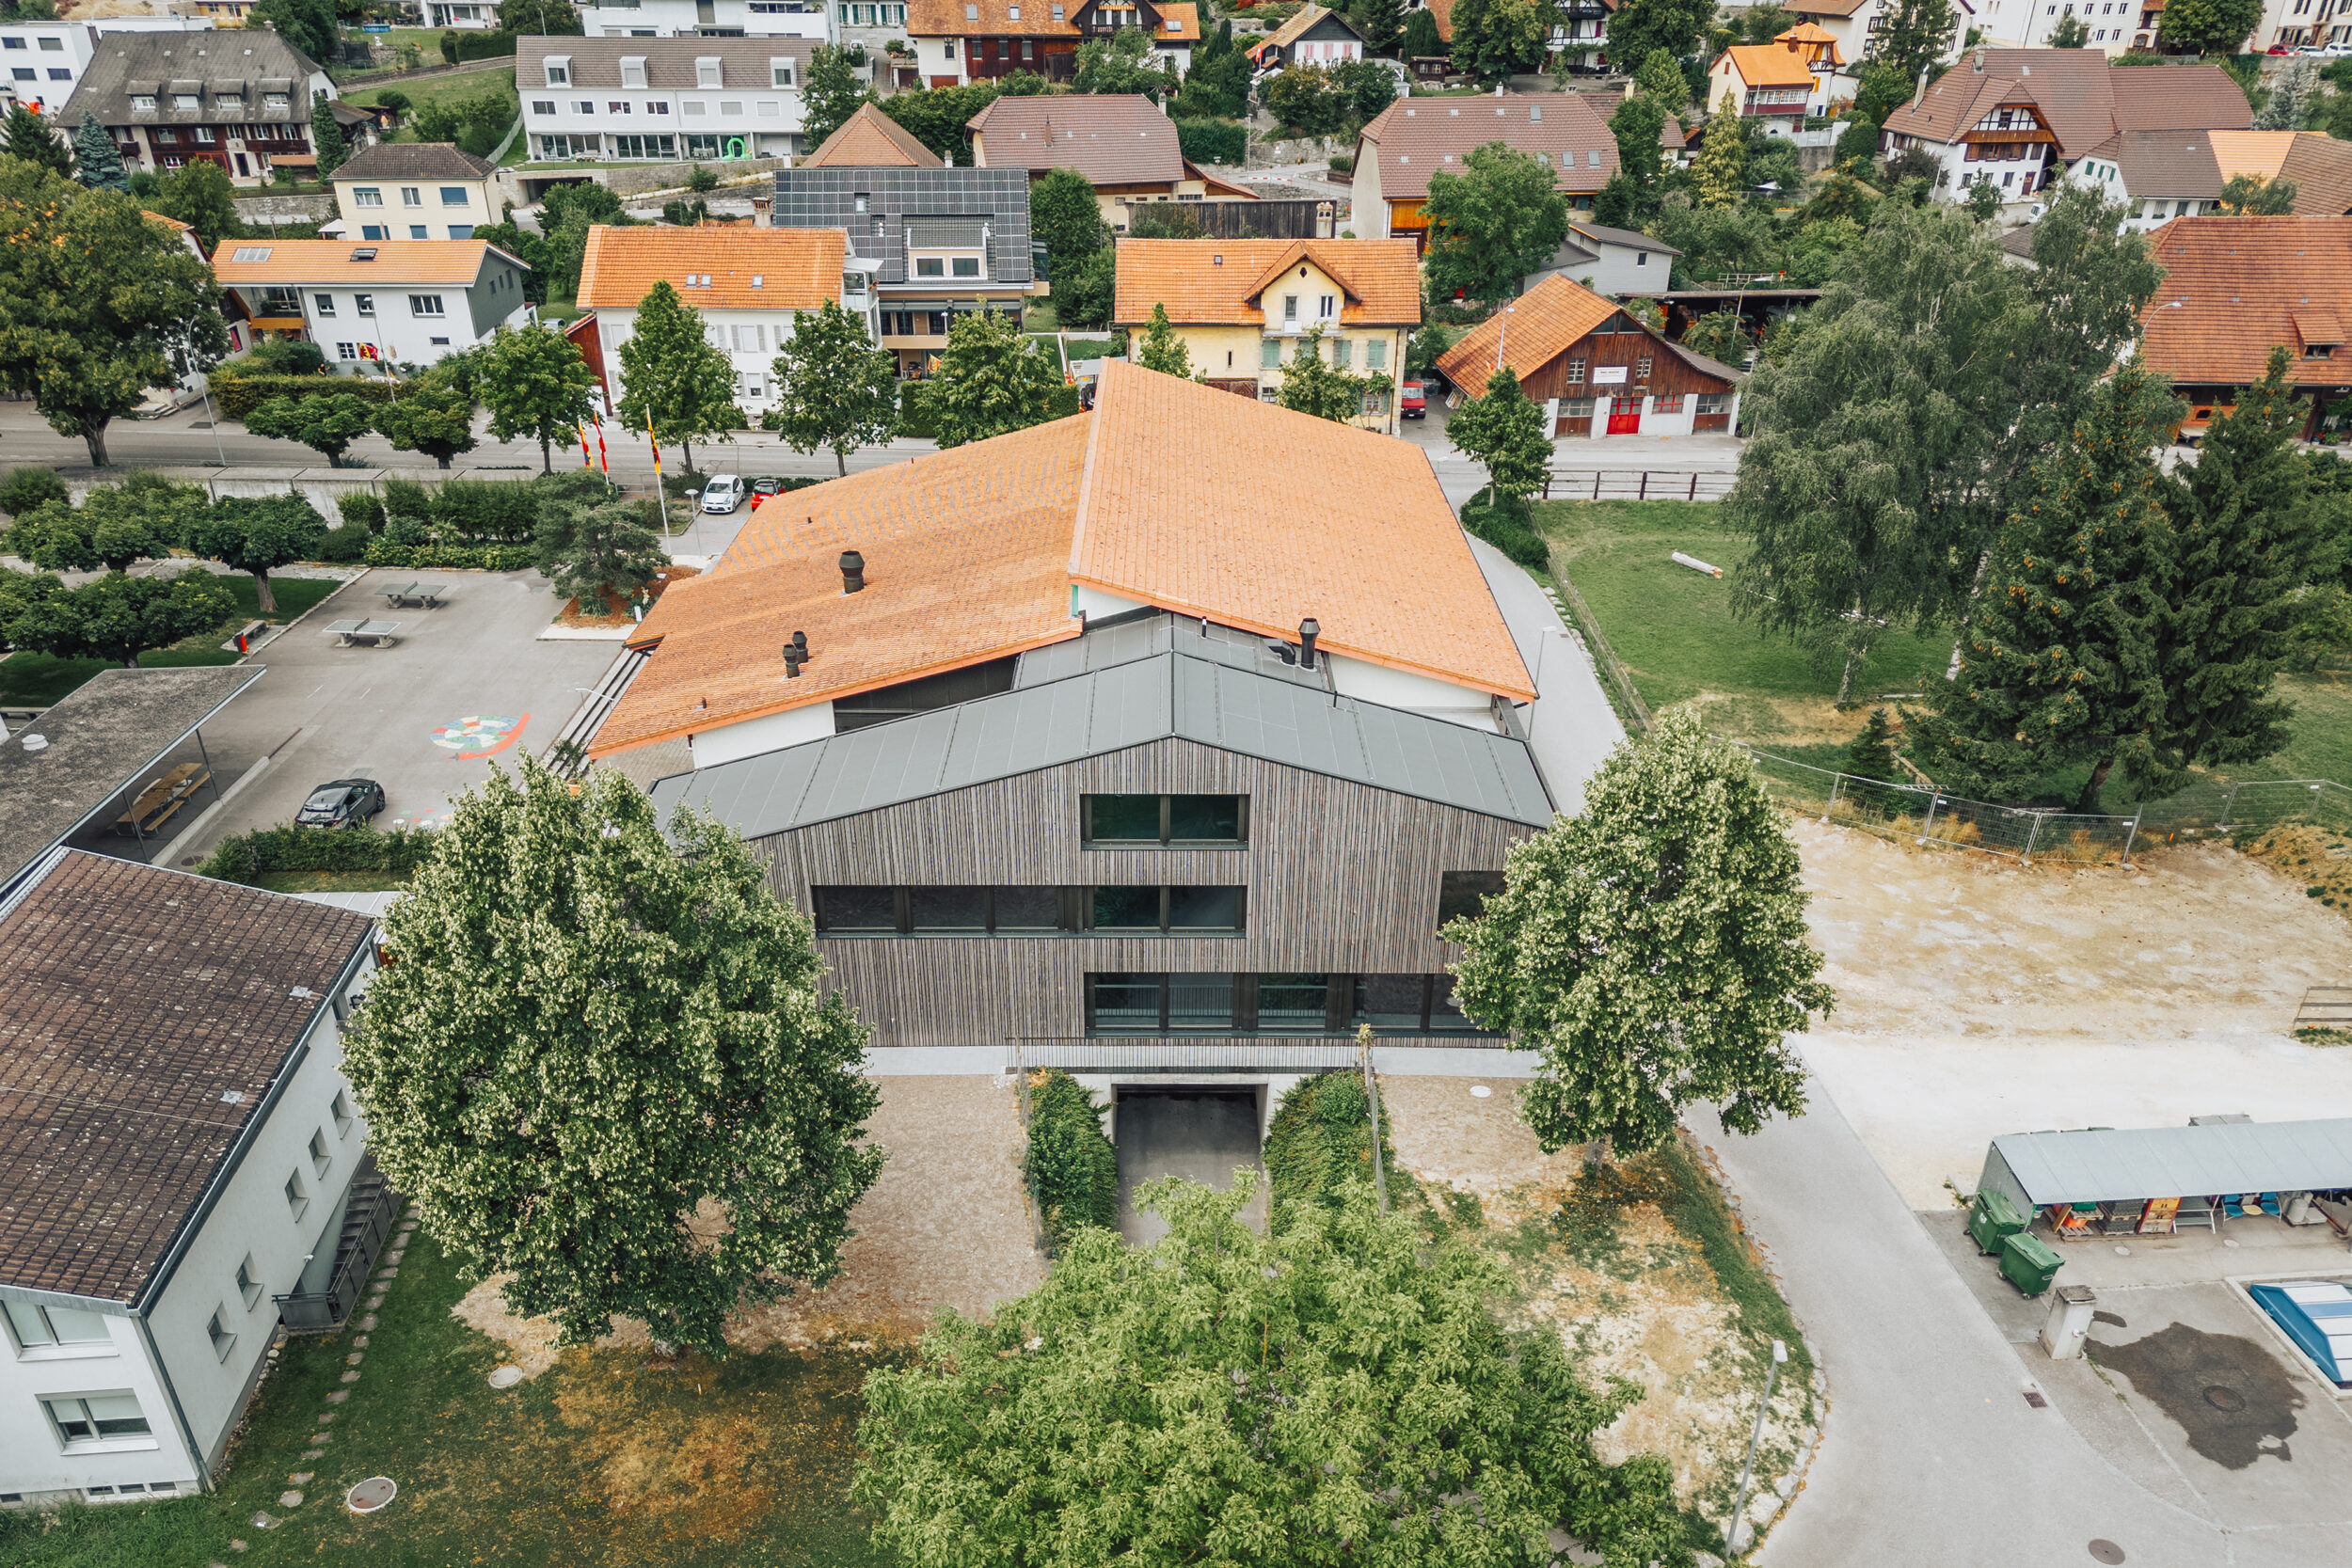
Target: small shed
(2101, 1164)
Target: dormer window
(269, 101)
(633, 71)
(707, 72)
(1012, 12)
(559, 70)
(186, 101)
(229, 100)
(1058, 13)
(143, 103)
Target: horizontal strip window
(1164, 819)
(1038, 911)
(1169, 1004)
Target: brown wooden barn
(1595, 369)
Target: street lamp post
(1747, 1472)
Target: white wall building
(388, 301)
(194, 1189)
(667, 19)
(39, 61)
(661, 100)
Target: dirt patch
(2228, 1394)
(616, 605)
(2318, 858)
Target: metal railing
(1927, 816)
(1631, 485)
(364, 1228)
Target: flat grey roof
(1111, 709)
(2110, 1166)
(102, 737)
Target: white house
(460, 15)
(2162, 175)
(747, 282)
(39, 61)
(413, 301)
(658, 100)
(755, 19)
(202, 1178)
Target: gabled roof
(1300, 24)
(970, 555)
(992, 17)
(1220, 283)
(748, 268)
(250, 62)
(458, 262)
(1111, 138)
(1542, 325)
(414, 161)
(2164, 163)
(1769, 65)
(2079, 95)
(2233, 289)
(2197, 163)
(595, 63)
(145, 1014)
(1632, 238)
(1806, 32)
(871, 140)
(1416, 138)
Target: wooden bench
(162, 799)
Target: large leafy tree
(2058, 662)
(547, 17)
(594, 1035)
(1494, 223)
(1915, 35)
(1638, 28)
(141, 519)
(20, 591)
(256, 535)
(2250, 532)
(1304, 101)
(2208, 26)
(534, 383)
(199, 195)
(1631, 192)
(1066, 220)
(991, 380)
(121, 617)
(1122, 64)
(834, 388)
(30, 139)
(1504, 430)
(310, 26)
(1651, 948)
(2250, 196)
(434, 415)
(326, 424)
(1312, 385)
(672, 378)
(1160, 349)
(96, 159)
(830, 94)
(1493, 39)
(1337, 1392)
(97, 305)
(1085, 295)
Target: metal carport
(2034, 1170)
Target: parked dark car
(343, 803)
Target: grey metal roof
(220, 60)
(1136, 636)
(2107, 1165)
(1107, 710)
(827, 197)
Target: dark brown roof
(1416, 138)
(2236, 286)
(2080, 97)
(2321, 168)
(2164, 163)
(429, 160)
(132, 1000)
(249, 63)
(1111, 138)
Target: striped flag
(586, 461)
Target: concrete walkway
(1570, 726)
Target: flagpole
(661, 493)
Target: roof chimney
(800, 645)
(853, 571)
(792, 658)
(761, 216)
(1308, 629)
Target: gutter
(171, 1392)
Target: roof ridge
(1086, 469)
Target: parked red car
(1411, 404)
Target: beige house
(415, 191)
(1246, 307)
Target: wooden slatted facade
(1651, 370)
(1343, 878)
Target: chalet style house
(241, 100)
(1595, 369)
(958, 42)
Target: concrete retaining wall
(285, 209)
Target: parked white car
(723, 494)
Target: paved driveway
(466, 685)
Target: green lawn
(36, 680)
(460, 87)
(606, 1458)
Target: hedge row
(914, 415)
(1071, 1168)
(240, 395)
(479, 558)
(1320, 1141)
(456, 47)
(1509, 528)
(243, 857)
(1213, 141)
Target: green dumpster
(2030, 1262)
(1992, 1217)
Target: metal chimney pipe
(853, 571)
(1308, 629)
(792, 656)
(800, 645)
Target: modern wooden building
(1069, 774)
(1595, 369)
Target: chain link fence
(2030, 834)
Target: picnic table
(160, 801)
(427, 594)
(376, 634)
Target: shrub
(915, 411)
(1321, 1139)
(1071, 1168)
(381, 551)
(360, 508)
(1213, 141)
(26, 489)
(1509, 528)
(241, 395)
(703, 178)
(1342, 162)
(485, 510)
(344, 545)
(407, 500)
(243, 857)
(457, 47)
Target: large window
(1464, 893)
(1163, 1002)
(1035, 911)
(1142, 820)
(89, 1417)
(39, 1327)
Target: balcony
(368, 1216)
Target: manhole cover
(1480, 1091)
(505, 1377)
(2106, 1551)
(2224, 1398)
(375, 1492)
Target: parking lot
(463, 685)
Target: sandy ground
(1647, 1309)
(1978, 997)
(948, 1225)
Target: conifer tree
(326, 134)
(96, 161)
(1160, 349)
(2059, 660)
(1721, 170)
(28, 136)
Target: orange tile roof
(1442, 11)
(2235, 286)
(1186, 15)
(1217, 282)
(1542, 325)
(1806, 32)
(797, 269)
(871, 140)
(1369, 547)
(170, 223)
(449, 261)
(1769, 65)
(966, 560)
(995, 19)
